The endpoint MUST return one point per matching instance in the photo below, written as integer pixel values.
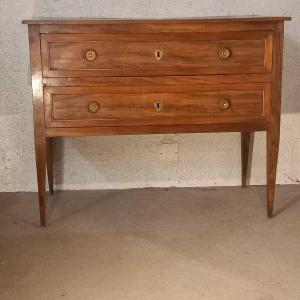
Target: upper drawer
(67, 55)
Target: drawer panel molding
(161, 54)
(67, 107)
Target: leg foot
(270, 214)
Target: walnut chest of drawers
(112, 77)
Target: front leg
(273, 132)
(38, 116)
(273, 136)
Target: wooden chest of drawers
(111, 77)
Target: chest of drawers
(113, 77)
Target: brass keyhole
(158, 54)
(158, 105)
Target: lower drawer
(164, 105)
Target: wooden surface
(38, 117)
(49, 162)
(68, 106)
(237, 19)
(273, 134)
(245, 146)
(132, 54)
(158, 82)
(153, 129)
(156, 76)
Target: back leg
(49, 151)
(245, 145)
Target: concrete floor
(187, 243)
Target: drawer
(94, 106)
(67, 55)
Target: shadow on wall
(104, 158)
(58, 160)
(108, 160)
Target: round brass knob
(224, 104)
(225, 53)
(93, 106)
(91, 55)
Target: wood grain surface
(132, 54)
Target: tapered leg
(273, 132)
(49, 153)
(273, 136)
(38, 116)
(245, 142)
(40, 153)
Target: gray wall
(133, 161)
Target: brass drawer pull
(158, 105)
(225, 53)
(91, 55)
(93, 106)
(224, 104)
(158, 54)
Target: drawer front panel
(77, 107)
(156, 54)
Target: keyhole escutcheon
(159, 54)
(158, 105)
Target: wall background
(132, 161)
